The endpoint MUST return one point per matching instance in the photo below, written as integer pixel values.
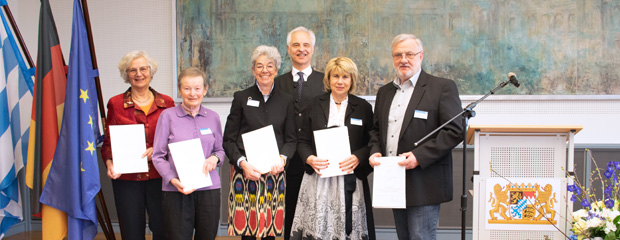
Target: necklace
(142, 101)
(338, 103)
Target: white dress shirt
(307, 71)
(397, 112)
(336, 117)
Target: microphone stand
(467, 113)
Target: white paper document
(388, 190)
(128, 144)
(332, 144)
(261, 148)
(189, 160)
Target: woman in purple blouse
(186, 210)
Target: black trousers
(133, 199)
(199, 211)
(253, 238)
(293, 184)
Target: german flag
(47, 107)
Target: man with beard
(406, 110)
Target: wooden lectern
(520, 180)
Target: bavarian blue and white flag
(16, 87)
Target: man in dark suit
(407, 109)
(302, 83)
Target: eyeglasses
(409, 55)
(260, 67)
(134, 71)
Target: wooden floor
(36, 235)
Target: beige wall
(118, 26)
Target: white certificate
(261, 148)
(388, 190)
(332, 144)
(189, 160)
(128, 144)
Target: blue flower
(592, 215)
(617, 165)
(571, 188)
(585, 203)
(574, 189)
(609, 203)
(608, 190)
(573, 198)
(608, 173)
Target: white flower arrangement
(599, 219)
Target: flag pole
(107, 224)
(93, 57)
(7, 10)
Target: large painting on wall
(561, 47)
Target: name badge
(355, 121)
(206, 131)
(420, 114)
(253, 103)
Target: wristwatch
(218, 158)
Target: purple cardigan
(175, 125)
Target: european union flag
(73, 180)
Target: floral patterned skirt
(321, 210)
(256, 208)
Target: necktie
(300, 84)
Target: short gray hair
(300, 29)
(403, 37)
(269, 52)
(133, 55)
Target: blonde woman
(336, 207)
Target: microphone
(512, 78)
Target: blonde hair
(133, 55)
(341, 65)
